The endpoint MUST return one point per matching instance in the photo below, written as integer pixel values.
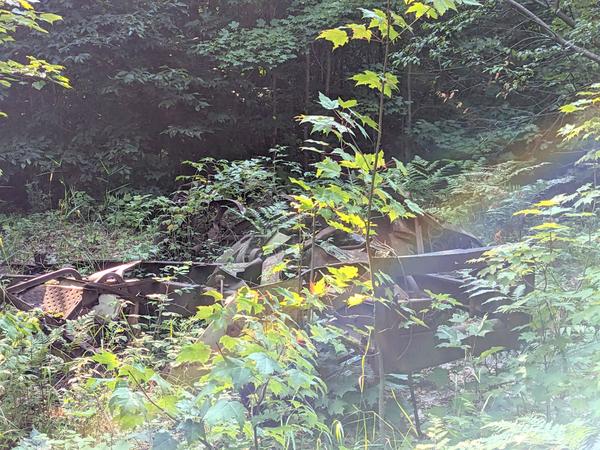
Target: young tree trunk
(406, 141)
(274, 106)
(328, 74)
(409, 98)
(368, 237)
(306, 87)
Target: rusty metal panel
(407, 351)
(55, 299)
(428, 263)
(54, 293)
(41, 279)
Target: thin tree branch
(161, 409)
(553, 34)
(156, 405)
(558, 12)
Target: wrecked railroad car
(416, 256)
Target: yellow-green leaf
(353, 219)
(356, 299)
(214, 294)
(336, 36)
(347, 103)
(339, 226)
(418, 9)
(360, 31)
(300, 183)
(570, 108)
(550, 226)
(528, 212)
(318, 288)
(304, 203)
(342, 275)
(328, 168)
(50, 18)
(550, 202)
(367, 78)
(278, 267)
(107, 359)
(25, 4)
(228, 342)
(197, 352)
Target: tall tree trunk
(306, 87)
(407, 152)
(328, 74)
(274, 105)
(340, 73)
(409, 98)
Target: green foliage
(263, 381)
(235, 191)
(58, 240)
(29, 390)
(539, 397)
(451, 137)
(588, 126)
(460, 327)
(189, 77)
(190, 81)
(533, 432)
(71, 440)
(16, 14)
(253, 387)
(134, 211)
(340, 194)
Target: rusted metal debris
(127, 288)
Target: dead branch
(558, 12)
(553, 34)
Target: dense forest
(299, 224)
(158, 83)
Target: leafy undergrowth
(130, 226)
(183, 226)
(50, 238)
(285, 377)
